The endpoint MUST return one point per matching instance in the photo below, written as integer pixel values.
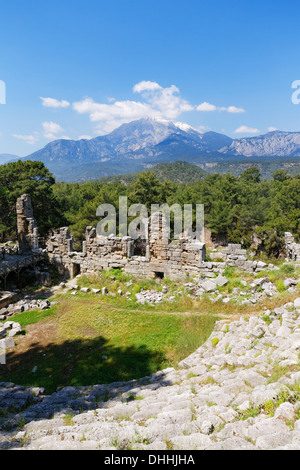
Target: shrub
(229, 271)
(287, 269)
(280, 285)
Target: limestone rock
(209, 286)
(221, 281)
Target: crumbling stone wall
(60, 242)
(234, 255)
(26, 225)
(292, 249)
(157, 256)
(160, 256)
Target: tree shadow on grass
(80, 362)
(78, 375)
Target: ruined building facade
(155, 256)
(28, 237)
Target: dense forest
(236, 207)
(177, 172)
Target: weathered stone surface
(7, 343)
(285, 411)
(209, 286)
(85, 290)
(221, 281)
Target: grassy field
(88, 339)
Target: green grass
(91, 338)
(284, 271)
(290, 395)
(68, 419)
(34, 316)
(103, 339)
(230, 271)
(279, 283)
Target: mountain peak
(148, 141)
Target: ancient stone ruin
(26, 226)
(27, 253)
(292, 249)
(154, 256)
(157, 256)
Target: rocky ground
(240, 390)
(8, 328)
(249, 294)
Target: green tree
(220, 218)
(147, 190)
(251, 175)
(34, 179)
(281, 175)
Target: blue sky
(78, 68)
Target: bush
(229, 271)
(287, 269)
(280, 285)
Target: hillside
(276, 143)
(184, 172)
(178, 172)
(144, 143)
(266, 166)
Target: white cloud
(157, 102)
(29, 139)
(146, 86)
(53, 103)
(203, 128)
(206, 107)
(272, 129)
(247, 130)
(166, 101)
(118, 110)
(233, 109)
(51, 129)
(211, 107)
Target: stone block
(7, 343)
(209, 286)
(221, 281)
